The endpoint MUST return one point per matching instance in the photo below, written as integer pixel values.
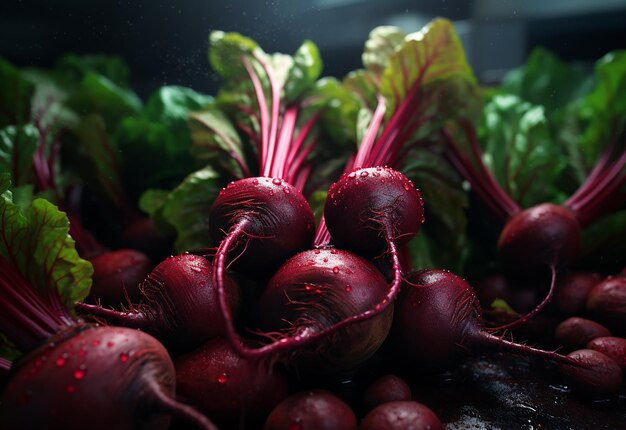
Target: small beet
(387, 388)
(614, 347)
(572, 290)
(401, 415)
(370, 206)
(607, 302)
(575, 332)
(600, 375)
(311, 410)
(226, 386)
(117, 275)
(543, 235)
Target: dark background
(165, 42)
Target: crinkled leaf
(432, 54)
(17, 145)
(213, 134)
(305, 70)
(152, 200)
(15, 95)
(36, 242)
(225, 52)
(187, 208)
(548, 81)
(520, 150)
(380, 45)
(363, 85)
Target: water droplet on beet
(317, 251)
(196, 269)
(364, 174)
(82, 353)
(348, 288)
(60, 362)
(325, 260)
(352, 175)
(277, 181)
(79, 374)
(335, 270)
(286, 190)
(95, 343)
(255, 181)
(271, 193)
(123, 357)
(110, 344)
(223, 378)
(308, 287)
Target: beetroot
(540, 236)
(607, 302)
(226, 386)
(437, 322)
(311, 410)
(600, 375)
(262, 221)
(117, 275)
(178, 303)
(571, 292)
(370, 207)
(316, 293)
(614, 347)
(387, 388)
(401, 415)
(575, 333)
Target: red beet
(387, 388)
(262, 221)
(614, 347)
(600, 375)
(437, 322)
(401, 415)
(572, 290)
(540, 236)
(575, 333)
(178, 303)
(317, 292)
(607, 302)
(226, 386)
(369, 207)
(117, 275)
(311, 410)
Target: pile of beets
(260, 329)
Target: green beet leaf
(36, 242)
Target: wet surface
(507, 392)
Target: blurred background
(165, 42)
